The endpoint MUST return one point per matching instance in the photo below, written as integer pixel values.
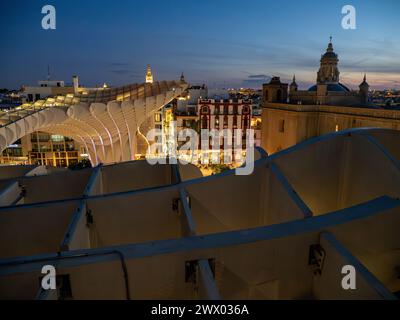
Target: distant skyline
(223, 43)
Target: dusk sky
(223, 43)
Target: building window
(337, 128)
(281, 125)
(204, 122)
(56, 138)
(245, 123)
(225, 121)
(58, 147)
(37, 96)
(266, 95)
(204, 110)
(157, 117)
(279, 95)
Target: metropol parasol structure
(105, 120)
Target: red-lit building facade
(220, 114)
(224, 114)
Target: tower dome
(328, 72)
(329, 54)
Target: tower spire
(293, 85)
(330, 45)
(364, 90)
(364, 83)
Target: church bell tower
(149, 75)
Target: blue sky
(223, 43)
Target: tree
(84, 163)
(219, 168)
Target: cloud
(258, 76)
(255, 80)
(118, 64)
(127, 72)
(121, 71)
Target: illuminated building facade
(229, 114)
(218, 114)
(13, 154)
(41, 148)
(52, 150)
(224, 114)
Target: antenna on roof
(48, 72)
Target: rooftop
(136, 231)
(336, 87)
